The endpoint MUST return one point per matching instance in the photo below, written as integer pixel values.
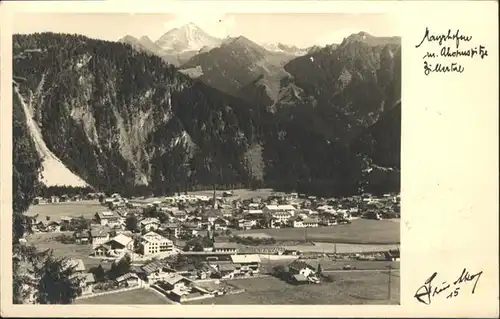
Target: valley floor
(348, 288)
(360, 231)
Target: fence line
(109, 292)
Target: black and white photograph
(199, 159)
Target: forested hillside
(127, 121)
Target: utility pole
(268, 257)
(214, 198)
(389, 290)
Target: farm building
(153, 243)
(225, 247)
(157, 270)
(99, 236)
(107, 218)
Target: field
(132, 297)
(369, 287)
(44, 241)
(360, 231)
(237, 193)
(86, 208)
(328, 264)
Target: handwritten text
(447, 59)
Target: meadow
(348, 288)
(360, 231)
(45, 241)
(132, 297)
(331, 265)
(55, 211)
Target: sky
(300, 29)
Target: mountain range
(190, 110)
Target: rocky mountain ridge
(121, 119)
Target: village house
(300, 267)
(99, 236)
(37, 225)
(372, 215)
(77, 265)
(110, 218)
(304, 222)
(392, 255)
(164, 209)
(174, 229)
(82, 237)
(227, 213)
(326, 209)
(39, 201)
(225, 269)
(250, 213)
(280, 218)
(246, 224)
(129, 280)
(272, 209)
(220, 247)
(87, 281)
(186, 270)
(327, 219)
(149, 224)
(66, 220)
(153, 244)
(246, 264)
(196, 220)
(169, 200)
(180, 215)
(52, 226)
(157, 270)
(344, 214)
(117, 203)
(181, 289)
(211, 215)
(115, 246)
(53, 199)
(310, 222)
(220, 224)
(189, 230)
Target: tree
(131, 223)
(120, 268)
(112, 272)
(25, 172)
(150, 212)
(198, 247)
(319, 271)
(79, 224)
(57, 282)
(99, 273)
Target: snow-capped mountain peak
(283, 48)
(188, 37)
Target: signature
(440, 38)
(432, 288)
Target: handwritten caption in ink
(451, 46)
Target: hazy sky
(301, 29)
